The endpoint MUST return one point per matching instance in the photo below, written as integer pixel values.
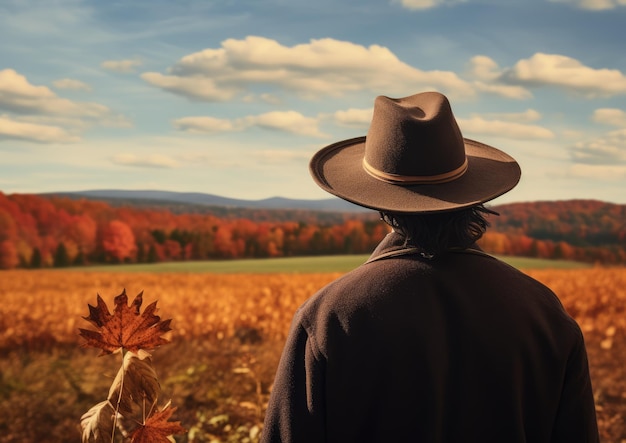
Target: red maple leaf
(157, 428)
(126, 328)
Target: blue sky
(234, 97)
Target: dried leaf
(157, 428)
(137, 383)
(606, 344)
(97, 423)
(126, 328)
(249, 405)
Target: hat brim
(338, 170)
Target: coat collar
(393, 246)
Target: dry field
(228, 332)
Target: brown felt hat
(414, 159)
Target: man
(431, 340)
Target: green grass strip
(331, 263)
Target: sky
(233, 97)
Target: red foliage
(118, 241)
(8, 255)
(90, 231)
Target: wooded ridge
(45, 231)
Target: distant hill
(194, 201)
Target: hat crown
(414, 140)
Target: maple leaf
(157, 428)
(126, 328)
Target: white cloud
(609, 149)
(499, 128)
(482, 67)
(194, 88)
(69, 83)
(19, 96)
(610, 116)
(123, 66)
(594, 5)
(145, 161)
(544, 70)
(324, 67)
(514, 92)
(360, 118)
(284, 121)
(17, 130)
(418, 5)
(76, 123)
(568, 73)
(36, 112)
(73, 124)
(486, 72)
(204, 125)
(529, 115)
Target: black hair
(434, 233)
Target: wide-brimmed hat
(414, 159)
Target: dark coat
(461, 348)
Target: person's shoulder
(507, 271)
(482, 265)
(340, 297)
(329, 291)
(535, 291)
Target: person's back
(463, 348)
(431, 340)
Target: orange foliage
(8, 255)
(88, 231)
(118, 241)
(96, 232)
(218, 307)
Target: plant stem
(119, 398)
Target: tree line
(583, 230)
(38, 232)
(56, 232)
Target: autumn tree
(8, 255)
(35, 258)
(118, 241)
(61, 259)
(80, 236)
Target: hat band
(415, 179)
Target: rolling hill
(196, 200)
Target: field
(228, 331)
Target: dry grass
(228, 331)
